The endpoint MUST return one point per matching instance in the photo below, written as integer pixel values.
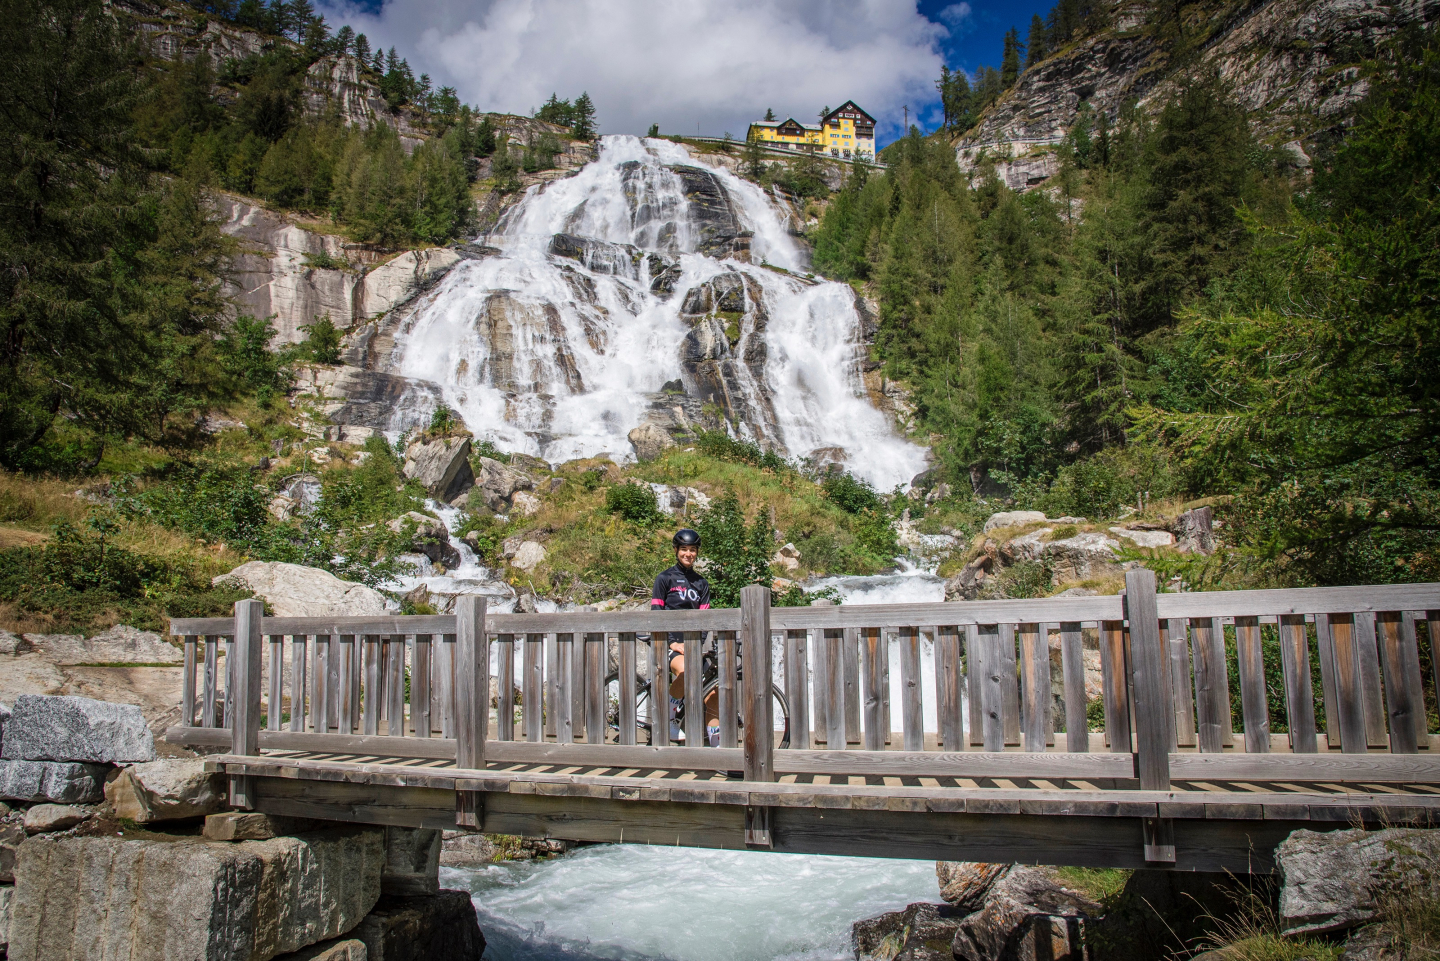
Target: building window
(847, 155)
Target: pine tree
(301, 14)
(769, 115)
(584, 112)
(1035, 49)
(1010, 64)
(344, 40)
(362, 50)
(654, 130)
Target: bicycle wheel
(643, 712)
(780, 708)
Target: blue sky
(706, 66)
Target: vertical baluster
(1253, 704)
(319, 682)
(1212, 684)
(505, 687)
(1182, 687)
(912, 715)
(228, 673)
(1035, 677)
(577, 687)
(797, 684)
(472, 692)
(948, 683)
(820, 667)
(595, 662)
(395, 686)
(531, 696)
(1402, 667)
(210, 693)
(1299, 697)
(564, 689)
(987, 664)
(1116, 686)
(757, 703)
(1414, 677)
(851, 652)
(299, 644)
(1372, 696)
(370, 713)
(625, 710)
(659, 689)
(1072, 664)
(444, 683)
(243, 691)
(1349, 696)
(694, 709)
(872, 679)
(1432, 631)
(1009, 684)
(420, 668)
(974, 686)
(345, 701)
(187, 685)
(1325, 652)
(835, 708)
(728, 704)
(552, 680)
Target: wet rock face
(921, 932)
(443, 925)
(724, 354)
(712, 215)
(372, 399)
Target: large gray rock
(396, 281)
(44, 818)
(6, 895)
(498, 482)
(62, 782)
(1027, 916)
(650, 441)
(431, 538)
(1334, 879)
(921, 932)
(412, 862)
(64, 728)
(442, 925)
(166, 790)
(12, 835)
(119, 645)
(1013, 519)
(293, 590)
(341, 949)
(441, 465)
(103, 897)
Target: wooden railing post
(756, 704)
(245, 675)
(1154, 706)
(472, 700)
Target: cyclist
(682, 588)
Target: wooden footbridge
(389, 721)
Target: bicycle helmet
(685, 537)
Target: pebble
(53, 817)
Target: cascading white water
(633, 902)
(554, 355)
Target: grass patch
(1098, 884)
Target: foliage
(720, 445)
(487, 448)
(245, 355)
(322, 341)
(737, 554)
(443, 421)
(851, 494)
(634, 502)
(578, 116)
(221, 504)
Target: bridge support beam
(244, 674)
(1154, 713)
(412, 862)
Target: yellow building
(843, 133)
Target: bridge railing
(1171, 666)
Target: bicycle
(709, 683)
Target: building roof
(850, 108)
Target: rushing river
(628, 901)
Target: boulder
(44, 818)
(442, 925)
(921, 932)
(432, 538)
(303, 491)
(1027, 916)
(673, 500)
(113, 897)
(4, 719)
(497, 482)
(1145, 538)
(442, 466)
(650, 441)
(60, 782)
(1334, 879)
(971, 581)
(459, 849)
(13, 644)
(166, 790)
(254, 826)
(528, 556)
(62, 728)
(12, 835)
(1082, 556)
(965, 883)
(119, 645)
(1013, 519)
(787, 557)
(293, 590)
(1195, 531)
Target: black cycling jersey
(680, 589)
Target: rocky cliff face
(1292, 63)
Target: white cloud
(956, 15)
(717, 64)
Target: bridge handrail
(1166, 686)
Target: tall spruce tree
(1035, 49)
(1010, 63)
(583, 127)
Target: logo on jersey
(687, 593)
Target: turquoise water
(684, 904)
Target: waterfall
(650, 288)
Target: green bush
(322, 341)
(443, 421)
(634, 502)
(721, 446)
(851, 494)
(738, 554)
(220, 504)
(487, 448)
(245, 355)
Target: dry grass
(37, 504)
(1252, 933)
(16, 537)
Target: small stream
(631, 902)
